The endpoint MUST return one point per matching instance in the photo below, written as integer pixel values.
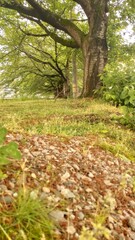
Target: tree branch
(31, 34)
(45, 15)
(68, 43)
(79, 20)
(37, 59)
(42, 52)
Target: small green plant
(99, 229)
(127, 179)
(119, 84)
(27, 218)
(128, 118)
(7, 151)
(98, 220)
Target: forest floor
(79, 160)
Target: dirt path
(80, 179)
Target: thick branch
(45, 15)
(68, 43)
(56, 21)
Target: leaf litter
(81, 180)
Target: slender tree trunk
(74, 66)
(94, 50)
(66, 86)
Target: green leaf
(3, 160)
(125, 93)
(11, 150)
(3, 133)
(126, 101)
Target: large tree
(51, 16)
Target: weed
(98, 220)
(98, 230)
(27, 218)
(127, 179)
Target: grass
(81, 117)
(27, 219)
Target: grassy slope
(70, 118)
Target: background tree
(31, 62)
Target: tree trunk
(63, 90)
(66, 86)
(94, 50)
(74, 66)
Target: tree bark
(95, 50)
(94, 62)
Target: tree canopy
(75, 24)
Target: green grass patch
(80, 117)
(27, 218)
